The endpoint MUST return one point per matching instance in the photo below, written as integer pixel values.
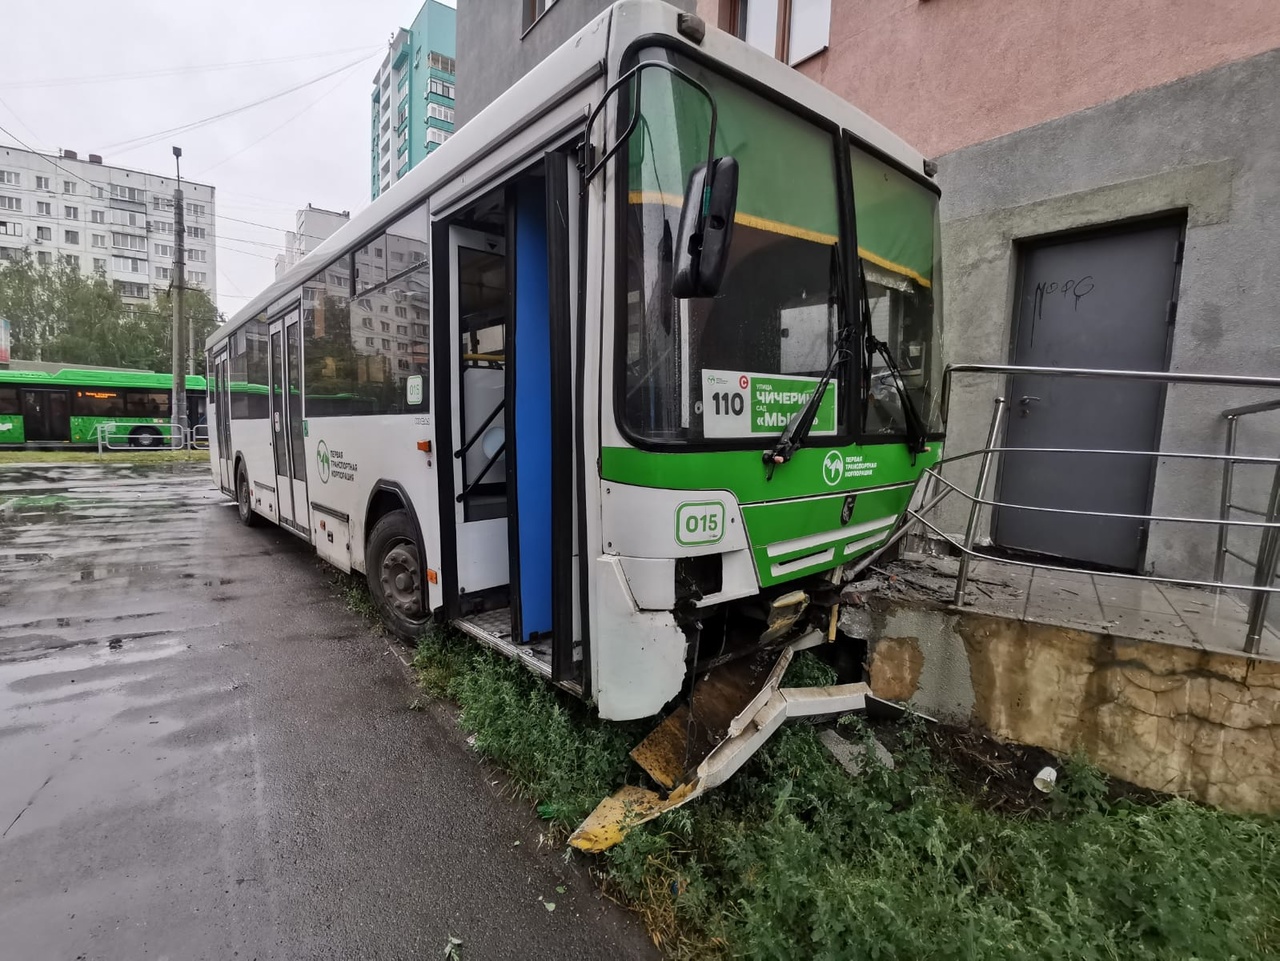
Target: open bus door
(478, 315)
(509, 504)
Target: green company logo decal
(322, 457)
(833, 468)
(6, 425)
(699, 523)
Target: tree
(157, 321)
(58, 314)
(51, 306)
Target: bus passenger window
(348, 372)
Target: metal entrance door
(478, 324)
(286, 422)
(46, 414)
(1103, 302)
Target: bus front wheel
(394, 571)
(244, 505)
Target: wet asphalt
(203, 754)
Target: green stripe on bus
(743, 472)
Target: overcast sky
(68, 79)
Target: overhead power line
(46, 157)
(175, 71)
(254, 223)
(126, 146)
(276, 129)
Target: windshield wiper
(916, 432)
(798, 429)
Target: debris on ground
(997, 775)
(851, 755)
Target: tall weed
(795, 858)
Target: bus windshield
(736, 367)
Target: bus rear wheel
(244, 505)
(144, 437)
(394, 571)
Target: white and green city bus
(617, 381)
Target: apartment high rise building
(102, 218)
(411, 112)
(314, 224)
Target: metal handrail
(1167, 518)
(1258, 408)
(461, 451)
(1264, 567)
(968, 552)
(1155, 376)
(497, 455)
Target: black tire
(244, 507)
(393, 568)
(145, 437)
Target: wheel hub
(400, 580)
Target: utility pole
(179, 408)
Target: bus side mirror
(706, 230)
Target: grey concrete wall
(494, 51)
(1208, 145)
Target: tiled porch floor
(1094, 602)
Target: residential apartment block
(101, 218)
(314, 224)
(412, 109)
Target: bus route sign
(743, 404)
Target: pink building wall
(944, 74)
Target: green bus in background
(67, 407)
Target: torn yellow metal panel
(616, 815)
(662, 753)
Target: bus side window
(9, 401)
(359, 352)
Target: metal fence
(149, 437)
(936, 488)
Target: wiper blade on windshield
(798, 429)
(914, 423)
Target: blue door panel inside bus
(532, 410)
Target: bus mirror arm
(706, 229)
(588, 165)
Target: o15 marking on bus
(699, 523)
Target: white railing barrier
(142, 437)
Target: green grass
(109, 457)
(794, 858)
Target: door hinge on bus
(586, 156)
